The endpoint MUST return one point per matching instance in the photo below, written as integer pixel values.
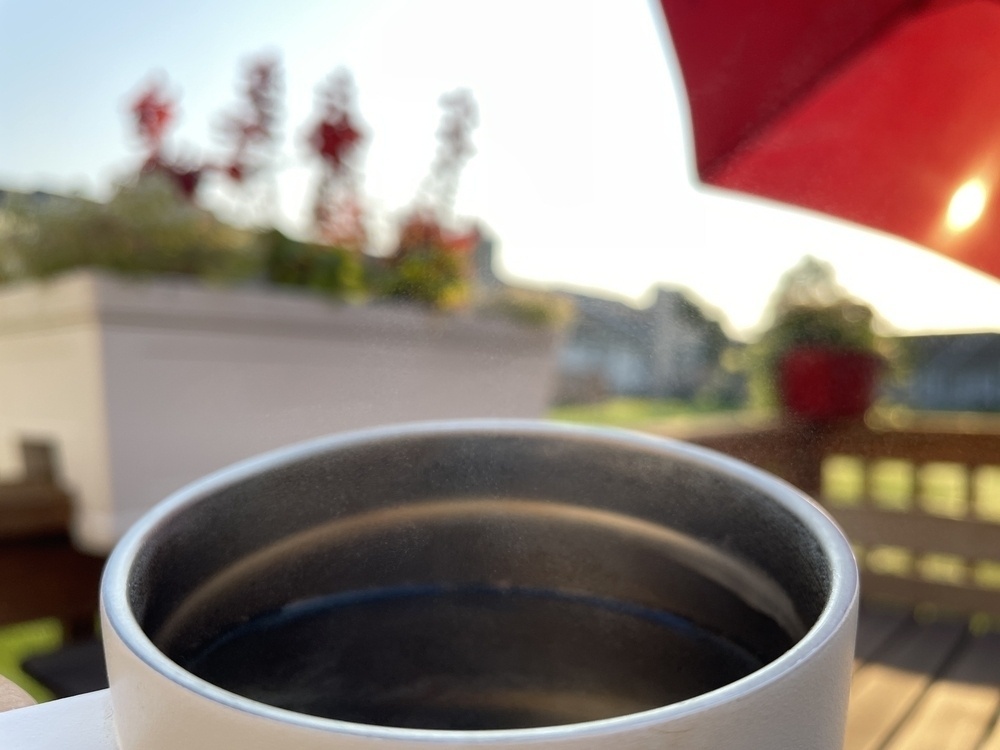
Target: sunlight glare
(967, 205)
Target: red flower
(186, 180)
(334, 140)
(461, 243)
(422, 230)
(153, 113)
(252, 129)
(335, 137)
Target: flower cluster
(250, 131)
(430, 262)
(253, 130)
(337, 215)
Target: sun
(967, 205)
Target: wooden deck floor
(930, 686)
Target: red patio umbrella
(883, 112)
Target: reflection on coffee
(446, 657)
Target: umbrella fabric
(885, 113)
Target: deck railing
(919, 500)
(42, 574)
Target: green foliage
(430, 264)
(24, 639)
(331, 270)
(808, 309)
(148, 228)
(435, 276)
(636, 413)
(145, 229)
(842, 325)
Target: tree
(807, 308)
(809, 283)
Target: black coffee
(469, 658)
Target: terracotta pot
(823, 384)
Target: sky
(583, 167)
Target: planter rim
(97, 297)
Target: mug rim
(844, 582)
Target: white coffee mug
(472, 584)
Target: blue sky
(582, 169)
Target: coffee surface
(469, 658)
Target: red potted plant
(829, 370)
(820, 351)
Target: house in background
(37, 199)
(951, 372)
(670, 349)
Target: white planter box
(146, 386)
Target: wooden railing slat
(796, 452)
(916, 446)
(949, 598)
(38, 461)
(920, 532)
(52, 579)
(29, 509)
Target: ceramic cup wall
(484, 584)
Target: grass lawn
(27, 639)
(633, 413)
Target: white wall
(196, 378)
(51, 385)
